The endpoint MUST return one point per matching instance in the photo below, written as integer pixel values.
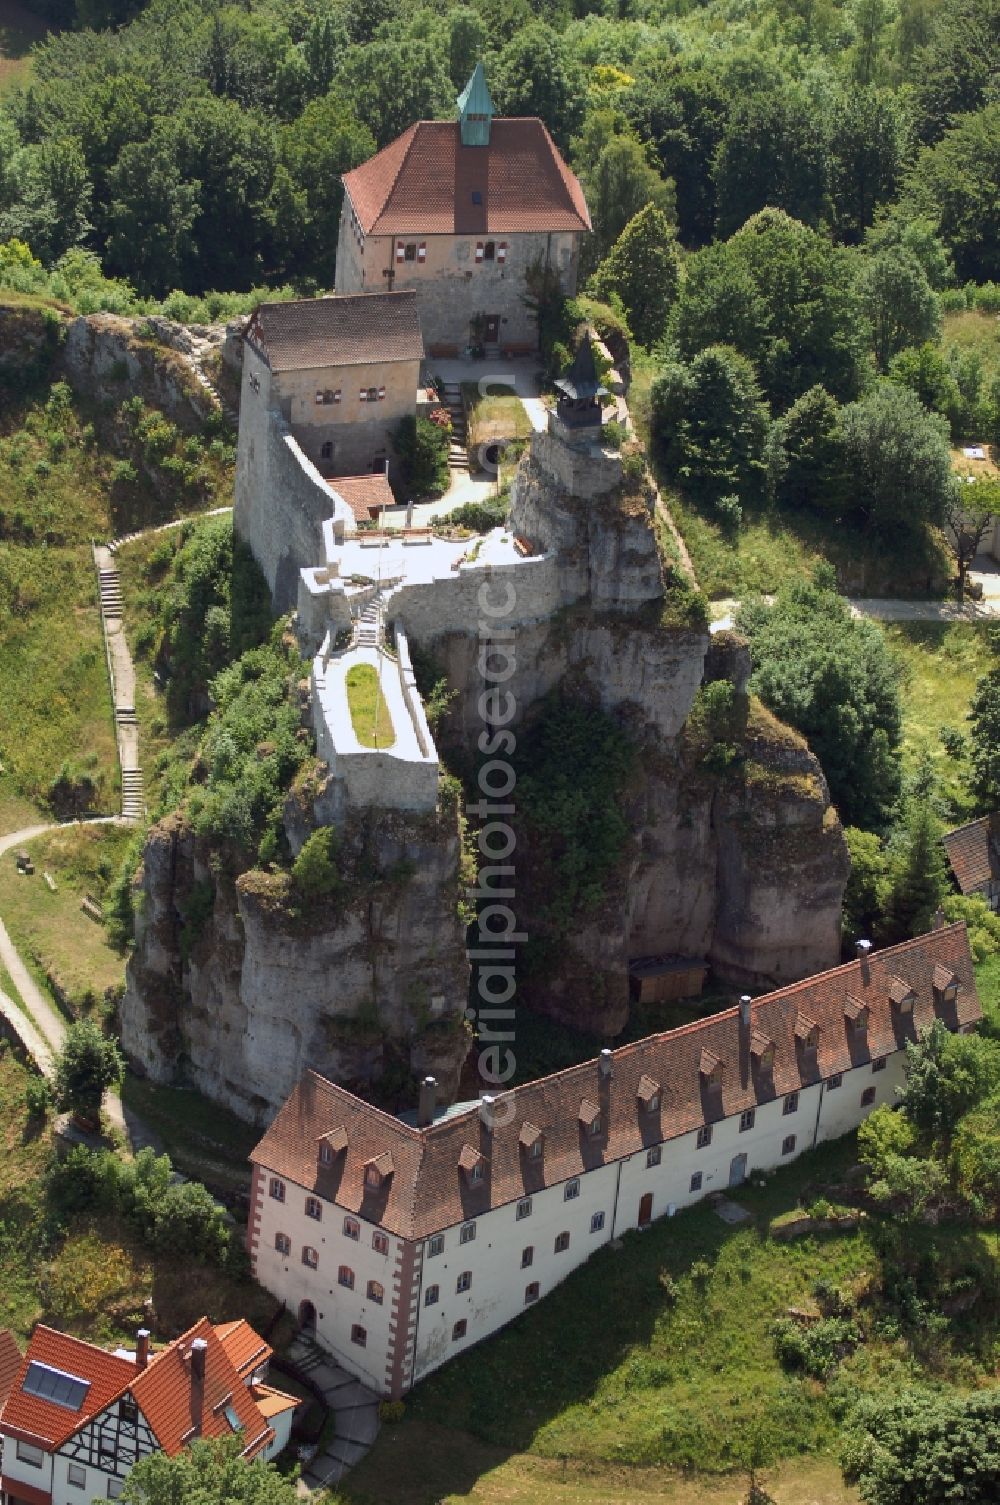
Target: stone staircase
(133, 798)
(369, 632)
(451, 399)
(109, 582)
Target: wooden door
(646, 1209)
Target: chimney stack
(199, 1348)
(487, 1103)
(142, 1348)
(606, 1062)
(745, 1001)
(938, 918)
(428, 1098)
(863, 948)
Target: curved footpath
(38, 1025)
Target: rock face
(738, 859)
(236, 989)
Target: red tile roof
(245, 1348)
(974, 852)
(359, 329)
(178, 1408)
(429, 1193)
(365, 495)
(423, 183)
(43, 1421)
(10, 1363)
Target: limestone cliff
(237, 987)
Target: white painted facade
(483, 1281)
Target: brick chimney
(142, 1348)
(863, 948)
(487, 1106)
(199, 1348)
(745, 1001)
(606, 1062)
(428, 1099)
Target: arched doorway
(737, 1170)
(307, 1316)
(646, 1209)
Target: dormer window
(902, 995)
(762, 1051)
(806, 1032)
(710, 1068)
(856, 1014)
(945, 984)
(649, 1095)
(590, 1117)
(472, 1163)
(378, 1171)
(531, 1140)
(330, 1146)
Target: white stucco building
(76, 1417)
(400, 1246)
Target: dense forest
(197, 145)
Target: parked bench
(92, 909)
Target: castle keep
(460, 212)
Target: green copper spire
(475, 110)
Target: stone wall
(282, 500)
(358, 432)
(452, 287)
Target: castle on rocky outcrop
(744, 871)
(462, 212)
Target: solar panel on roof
(55, 1385)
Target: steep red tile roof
(359, 329)
(423, 183)
(178, 1408)
(245, 1349)
(365, 495)
(974, 852)
(175, 1406)
(10, 1363)
(429, 1193)
(44, 1422)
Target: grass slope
(370, 715)
(940, 663)
(660, 1356)
(20, 29)
(50, 929)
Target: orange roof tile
(10, 1363)
(365, 495)
(429, 1193)
(45, 1422)
(974, 852)
(426, 183)
(178, 1408)
(245, 1349)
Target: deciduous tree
(643, 269)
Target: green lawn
(660, 1355)
(976, 331)
(494, 415)
(20, 29)
(940, 663)
(369, 712)
(50, 929)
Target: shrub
(816, 1349)
(422, 448)
(85, 1067)
(391, 1410)
(729, 512)
(481, 517)
(314, 871)
(37, 1097)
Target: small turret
(579, 414)
(475, 110)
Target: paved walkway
(884, 610)
(355, 1409)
